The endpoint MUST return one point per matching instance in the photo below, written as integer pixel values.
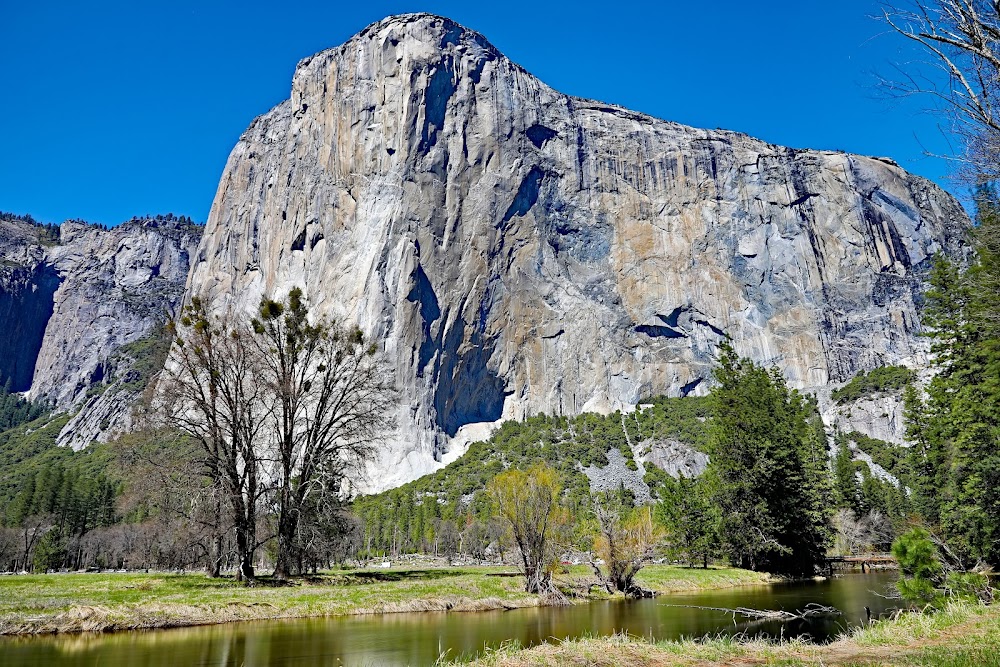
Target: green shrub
(924, 580)
(920, 568)
(886, 379)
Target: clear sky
(115, 109)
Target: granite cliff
(517, 250)
(73, 298)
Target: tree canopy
(768, 475)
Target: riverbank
(101, 602)
(963, 635)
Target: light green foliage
(406, 519)
(768, 475)
(528, 504)
(882, 380)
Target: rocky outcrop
(69, 303)
(516, 250)
(674, 457)
(880, 417)
(618, 475)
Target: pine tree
(956, 431)
(687, 514)
(846, 489)
(768, 473)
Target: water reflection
(419, 639)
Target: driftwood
(811, 610)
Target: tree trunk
(285, 560)
(213, 568)
(536, 580)
(245, 524)
(244, 549)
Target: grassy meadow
(81, 602)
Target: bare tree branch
(963, 76)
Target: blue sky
(115, 109)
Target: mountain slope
(517, 250)
(73, 299)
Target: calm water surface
(418, 639)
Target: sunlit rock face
(517, 250)
(68, 304)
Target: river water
(420, 638)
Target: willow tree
(528, 502)
(332, 402)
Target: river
(420, 638)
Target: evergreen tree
(687, 514)
(846, 489)
(956, 430)
(768, 473)
(15, 410)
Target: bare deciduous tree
(857, 535)
(211, 392)
(167, 480)
(962, 74)
(282, 409)
(332, 402)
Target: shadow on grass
(367, 577)
(350, 578)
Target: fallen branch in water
(811, 610)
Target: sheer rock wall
(517, 250)
(67, 305)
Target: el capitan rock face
(517, 250)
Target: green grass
(671, 578)
(100, 601)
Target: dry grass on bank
(963, 635)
